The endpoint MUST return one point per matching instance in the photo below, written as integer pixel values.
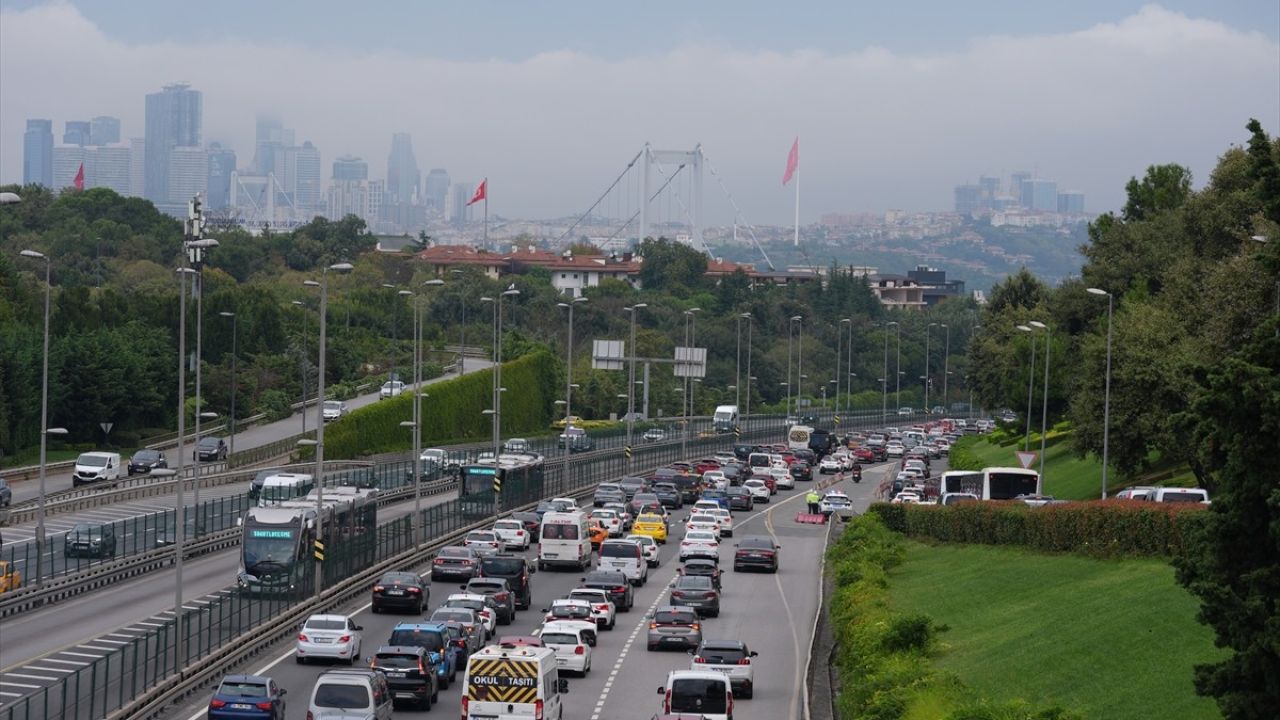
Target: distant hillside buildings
(1029, 201)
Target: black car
(410, 674)
(743, 450)
(532, 524)
(739, 498)
(515, 571)
(733, 473)
(91, 540)
(756, 551)
(614, 583)
(400, 591)
(146, 460)
(210, 449)
(467, 638)
(581, 444)
(808, 456)
(607, 493)
(702, 566)
(547, 506)
(633, 485)
(498, 589)
(801, 471)
(455, 562)
(668, 495)
(638, 502)
(697, 592)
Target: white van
(283, 487)
(564, 540)
(513, 682)
(700, 693)
(351, 693)
(917, 436)
(96, 467)
(626, 557)
(1179, 495)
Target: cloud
(878, 129)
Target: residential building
(1071, 202)
(990, 189)
(349, 167)
(104, 130)
(37, 153)
(376, 203)
(402, 171)
(222, 165)
(897, 291)
(968, 199)
(349, 189)
(188, 176)
(435, 189)
(1039, 195)
(935, 284)
(77, 133)
(173, 119)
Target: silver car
(678, 627)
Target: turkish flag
(481, 193)
(793, 162)
(78, 183)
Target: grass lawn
(1110, 639)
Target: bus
(960, 481)
(520, 474)
(282, 487)
(994, 483)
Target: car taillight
(437, 561)
(302, 637)
(519, 533)
(708, 595)
(696, 626)
(464, 709)
(266, 705)
(378, 588)
(467, 562)
(744, 661)
(666, 703)
(501, 596)
(215, 704)
(700, 660)
(653, 625)
(537, 708)
(422, 669)
(415, 590)
(465, 702)
(344, 638)
(580, 650)
(677, 593)
(620, 589)
(602, 607)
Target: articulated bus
(521, 475)
(994, 483)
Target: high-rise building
(1040, 195)
(435, 189)
(37, 153)
(349, 167)
(376, 203)
(67, 160)
(137, 166)
(968, 198)
(77, 133)
(188, 174)
(1071, 202)
(173, 119)
(349, 190)
(402, 170)
(267, 132)
(298, 175)
(1015, 183)
(222, 163)
(459, 194)
(990, 189)
(104, 130)
(110, 167)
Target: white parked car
(569, 643)
(390, 389)
(759, 491)
(726, 520)
(328, 636)
(481, 605)
(484, 542)
(699, 543)
(512, 534)
(602, 607)
(648, 546)
(703, 521)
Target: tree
(1165, 187)
(1022, 290)
(671, 266)
(1265, 169)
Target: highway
(773, 614)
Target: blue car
(435, 639)
(720, 496)
(241, 697)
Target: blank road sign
(608, 354)
(691, 362)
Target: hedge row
(454, 409)
(1110, 528)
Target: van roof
(528, 653)
(676, 675)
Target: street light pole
(884, 381)
(1106, 403)
(195, 252)
(750, 326)
(1044, 406)
(928, 336)
(946, 364)
(897, 365)
(303, 363)
(840, 341)
(631, 378)
(180, 505)
(44, 412)
(1031, 378)
(234, 376)
(568, 379)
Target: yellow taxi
(10, 578)
(650, 524)
(597, 532)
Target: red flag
(793, 162)
(79, 181)
(481, 192)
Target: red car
(864, 455)
(704, 465)
(769, 481)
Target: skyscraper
(459, 194)
(1040, 195)
(137, 166)
(968, 198)
(188, 175)
(173, 119)
(77, 132)
(349, 167)
(67, 160)
(349, 191)
(990, 189)
(1015, 183)
(435, 189)
(402, 170)
(109, 167)
(266, 139)
(1071, 202)
(222, 163)
(304, 166)
(104, 130)
(37, 153)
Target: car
(247, 697)
(10, 576)
(699, 543)
(410, 672)
(783, 478)
(829, 465)
(733, 659)
(547, 506)
(696, 695)
(573, 611)
(894, 448)
(516, 445)
(515, 570)
(651, 525)
(800, 470)
(607, 493)
(610, 520)
(703, 506)
(335, 637)
(333, 410)
(703, 521)
(485, 608)
(603, 611)
(648, 546)
(633, 485)
(400, 591)
(210, 449)
(956, 498)
(674, 626)
(390, 389)
(532, 524)
(467, 617)
(496, 589)
(717, 497)
(668, 495)
(84, 540)
(453, 562)
(142, 463)
(512, 533)
(740, 498)
(697, 592)
(705, 567)
(1038, 500)
(864, 454)
(467, 638)
(623, 512)
(616, 584)
(758, 488)
(835, 502)
(725, 518)
(654, 435)
(569, 641)
(350, 693)
(484, 542)
(906, 411)
(434, 637)
(756, 551)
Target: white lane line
(95, 657)
(622, 656)
(109, 640)
(66, 662)
(123, 635)
(94, 647)
(24, 676)
(151, 624)
(786, 607)
(6, 683)
(49, 669)
(9, 694)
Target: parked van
(1179, 495)
(283, 487)
(350, 693)
(700, 693)
(564, 540)
(513, 682)
(96, 467)
(626, 557)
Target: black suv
(614, 583)
(801, 471)
(496, 588)
(515, 571)
(210, 449)
(146, 460)
(92, 540)
(410, 674)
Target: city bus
(993, 483)
(520, 474)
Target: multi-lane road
(773, 613)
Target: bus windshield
(478, 480)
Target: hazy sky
(894, 102)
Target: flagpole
(486, 212)
(797, 230)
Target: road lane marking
(95, 657)
(66, 662)
(24, 676)
(49, 669)
(21, 685)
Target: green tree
(1164, 188)
(671, 267)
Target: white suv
(731, 658)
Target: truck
(798, 437)
(725, 419)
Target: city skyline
(882, 147)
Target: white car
(784, 479)
(758, 489)
(610, 519)
(333, 410)
(572, 504)
(390, 389)
(512, 534)
(726, 521)
(623, 513)
(780, 474)
(906, 498)
(484, 542)
(715, 479)
(704, 505)
(563, 605)
(648, 546)
(569, 644)
(602, 607)
(894, 448)
(481, 605)
(703, 521)
(731, 658)
(328, 636)
(587, 627)
(834, 502)
(699, 543)
(829, 465)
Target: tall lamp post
(928, 335)
(1031, 378)
(303, 363)
(690, 338)
(1106, 403)
(897, 364)
(234, 377)
(195, 253)
(884, 381)
(496, 412)
(946, 364)
(180, 503)
(568, 379)
(45, 430)
(750, 324)
(969, 384)
(848, 386)
(1044, 406)
(631, 375)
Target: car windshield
(762, 543)
(402, 578)
(698, 695)
(693, 582)
(208, 442)
(341, 696)
(559, 532)
(487, 586)
(243, 689)
(592, 596)
(481, 537)
(416, 638)
(619, 550)
(147, 455)
(454, 552)
(700, 536)
(332, 404)
(675, 617)
(92, 461)
(445, 615)
(570, 611)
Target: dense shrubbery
(1100, 529)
